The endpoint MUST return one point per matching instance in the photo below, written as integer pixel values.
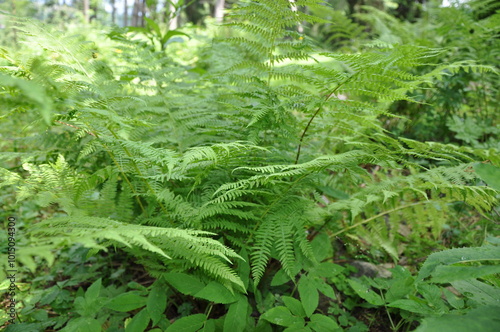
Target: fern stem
(312, 118)
(76, 127)
(377, 216)
(272, 205)
(139, 171)
(137, 198)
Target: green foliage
(235, 180)
(469, 300)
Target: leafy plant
(468, 304)
(231, 183)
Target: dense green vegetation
(299, 168)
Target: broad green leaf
(244, 267)
(172, 33)
(126, 302)
(190, 323)
(184, 283)
(455, 301)
(478, 291)
(139, 322)
(412, 306)
(308, 295)
(481, 319)
(157, 302)
(294, 305)
(399, 289)
(93, 291)
(324, 287)
(322, 323)
(152, 24)
(82, 324)
(445, 274)
(489, 174)
(215, 292)
(280, 278)
(281, 316)
(209, 326)
(432, 294)
(327, 270)
(457, 255)
(263, 326)
(299, 327)
(236, 317)
(365, 292)
(322, 247)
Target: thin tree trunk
(219, 10)
(143, 12)
(135, 13)
(125, 13)
(113, 12)
(174, 19)
(96, 10)
(14, 12)
(86, 8)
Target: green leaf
(322, 247)
(184, 283)
(280, 278)
(157, 302)
(446, 274)
(412, 306)
(484, 319)
(82, 324)
(299, 327)
(126, 302)
(327, 270)
(432, 294)
(188, 324)
(489, 174)
(457, 255)
(215, 292)
(244, 267)
(34, 92)
(324, 287)
(321, 323)
(139, 323)
(308, 295)
(453, 300)
(93, 291)
(236, 317)
(172, 33)
(365, 292)
(399, 289)
(152, 24)
(294, 305)
(281, 316)
(209, 326)
(478, 291)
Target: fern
(140, 152)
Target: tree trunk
(95, 9)
(135, 13)
(174, 18)
(219, 10)
(86, 8)
(113, 12)
(125, 13)
(143, 13)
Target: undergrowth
(243, 185)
